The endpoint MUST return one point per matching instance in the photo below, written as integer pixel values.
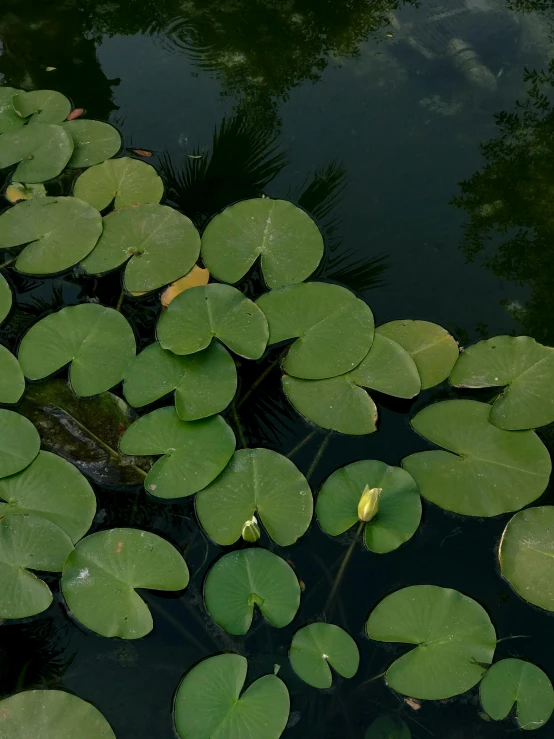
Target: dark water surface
(423, 144)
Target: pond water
(418, 137)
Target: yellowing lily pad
(195, 278)
(17, 191)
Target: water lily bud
(369, 503)
(251, 530)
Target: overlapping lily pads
(127, 181)
(194, 452)
(19, 442)
(101, 575)
(9, 120)
(486, 470)
(41, 106)
(97, 341)
(12, 382)
(5, 298)
(42, 150)
(454, 637)
(287, 240)
(209, 702)
(251, 577)
(93, 142)
(262, 482)
(203, 313)
(319, 645)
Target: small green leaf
(93, 141)
(12, 382)
(41, 106)
(5, 298)
(19, 443)
(9, 120)
(388, 727)
(129, 181)
(42, 149)
(319, 645)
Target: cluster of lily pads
(490, 460)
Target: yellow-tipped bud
(369, 503)
(251, 530)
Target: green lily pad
(42, 150)
(12, 382)
(19, 443)
(209, 703)
(129, 181)
(28, 542)
(51, 714)
(97, 341)
(287, 240)
(399, 512)
(454, 637)
(431, 347)
(515, 682)
(51, 488)
(334, 330)
(491, 471)
(240, 580)
(41, 106)
(5, 298)
(199, 314)
(262, 482)
(204, 383)
(9, 120)
(62, 231)
(388, 727)
(319, 645)
(521, 365)
(93, 141)
(158, 243)
(526, 555)
(101, 574)
(194, 452)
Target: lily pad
(287, 240)
(491, 471)
(5, 298)
(431, 347)
(251, 577)
(523, 367)
(204, 383)
(527, 555)
(93, 141)
(399, 512)
(262, 482)
(28, 542)
(9, 120)
(196, 277)
(51, 714)
(42, 150)
(388, 727)
(454, 637)
(515, 682)
(17, 191)
(209, 703)
(12, 382)
(158, 243)
(41, 106)
(62, 231)
(334, 330)
(128, 181)
(319, 645)
(19, 443)
(194, 452)
(102, 573)
(97, 341)
(53, 489)
(200, 314)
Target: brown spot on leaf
(119, 547)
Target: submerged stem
(343, 565)
(317, 457)
(7, 262)
(120, 301)
(300, 444)
(239, 427)
(259, 380)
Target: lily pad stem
(120, 301)
(259, 380)
(236, 419)
(317, 457)
(8, 262)
(343, 566)
(300, 444)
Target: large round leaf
(194, 452)
(9, 120)
(51, 488)
(209, 703)
(262, 482)
(5, 298)
(102, 573)
(32, 542)
(286, 239)
(41, 106)
(527, 555)
(199, 314)
(19, 442)
(491, 471)
(43, 150)
(204, 383)
(388, 727)
(399, 511)
(319, 645)
(515, 682)
(98, 341)
(521, 364)
(158, 243)
(51, 714)
(334, 330)
(240, 580)
(129, 181)
(62, 231)
(454, 636)
(12, 382)
(431, 347)
(93, 142)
